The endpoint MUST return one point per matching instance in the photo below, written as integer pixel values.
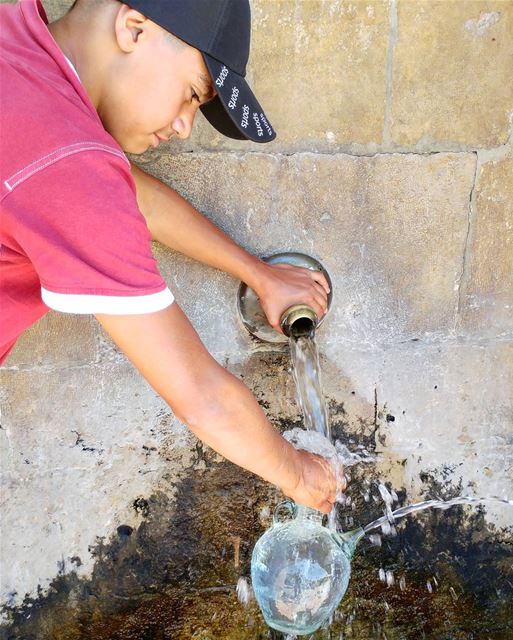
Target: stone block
(452, 72)
(391, 229)
(487, 288)
(58, 340)
(321, 69)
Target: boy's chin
(133, 146)
(135, 149)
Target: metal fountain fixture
(300, 319)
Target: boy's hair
(92, 4)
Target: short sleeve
(79, 224)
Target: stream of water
(389, 518)
(306, 372)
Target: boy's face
(155, 85)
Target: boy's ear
(129, 27)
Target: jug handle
(286, 505)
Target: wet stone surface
(174, 576)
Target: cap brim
(235, 112)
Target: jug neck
(348, 540)
(307, 513)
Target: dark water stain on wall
(174, 576)
(185, 557)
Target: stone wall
(394, 166)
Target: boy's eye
(194, 96)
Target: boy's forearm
(175, 223)
(234, 425)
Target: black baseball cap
(221, 30)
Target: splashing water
(337, 454)
(431, 504)
(316, 442)
(244, 591)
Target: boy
(77, 219)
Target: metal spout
(349, 540)
(299, 320)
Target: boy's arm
(218, 408)
(177, 224)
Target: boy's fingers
(322, 293)
(320, 278)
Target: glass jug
(300, 569)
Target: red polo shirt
(72, 237)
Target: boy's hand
(280, 286)
(317, 486)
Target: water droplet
(244, 591)
(265, 512)
(375, 539)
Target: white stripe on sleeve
(113, 305)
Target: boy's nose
(182, 125)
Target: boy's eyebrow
(208, 89)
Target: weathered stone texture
(391, 229)
(487, 291)
(452, 405)
(56, 8)
(78, 446)
(58, 339)
(452, 69)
